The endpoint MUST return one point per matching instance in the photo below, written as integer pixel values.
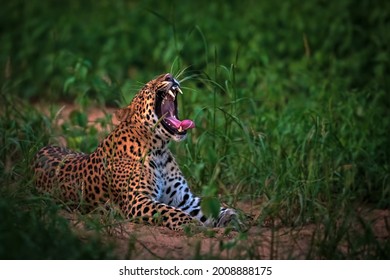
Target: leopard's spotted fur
(132, 167)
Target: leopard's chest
(159, 170)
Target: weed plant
(290, 100)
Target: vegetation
(290, 99)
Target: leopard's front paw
(230, 217)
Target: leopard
(133, 167)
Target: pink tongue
(184, 125)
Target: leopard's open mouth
(166, 107)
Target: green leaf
(209, 190)
(79, 118)
(68, 83)
(210, 207)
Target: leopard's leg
(190, 204)
(156, 213)
(177, 194)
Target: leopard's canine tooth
(177, 88)
(172, 94)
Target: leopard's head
(155, 108)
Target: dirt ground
(136, 241)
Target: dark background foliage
(290, 98)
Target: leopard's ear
(123, 114)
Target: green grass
(290, 100)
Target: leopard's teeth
(172, 94)
(179, 90)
